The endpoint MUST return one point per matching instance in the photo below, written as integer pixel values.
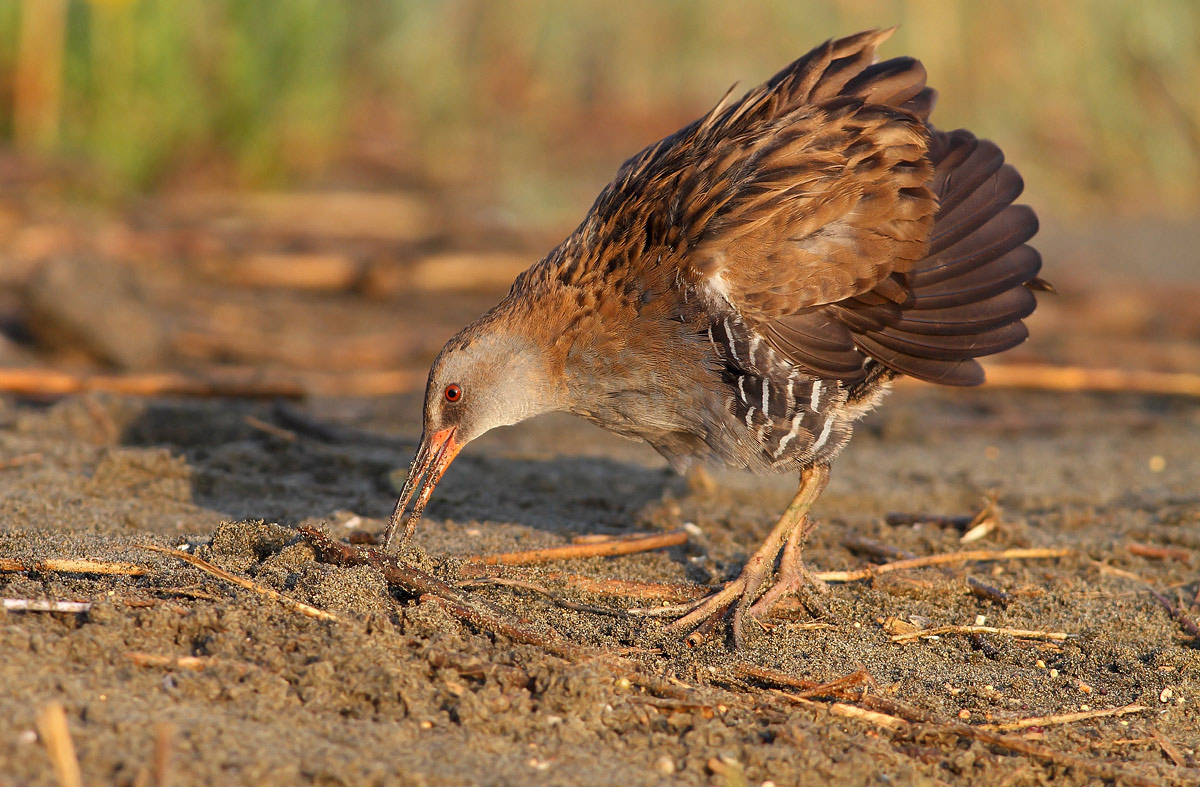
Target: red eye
(453, 392)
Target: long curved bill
(436, 453)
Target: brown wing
(825, 214)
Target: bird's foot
(741, 593)
(795, 581)
(738, 593)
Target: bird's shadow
(251, 460)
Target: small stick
(857, 543)
(550, 595)
(1185, 623)
(190, 663)
(937, 560)
(1064, 718)
(56, 737)
(427, 586)
(610, 548)
(20, 459)
(1159, 552)
(1168, 748)
(271, 429)
(1105, 568)
(838, 685)
(767, 675)
(849, 711)
(70, 566)
(216, 571)
(985, 591)
(496, 625)
(940, 630)
(164, 737)
(38, 605)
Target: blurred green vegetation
(1096, 100)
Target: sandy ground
(400, 691)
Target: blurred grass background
(536, 103)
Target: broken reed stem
(937, 631)
(42, 605)
(850, 711)
(609, 548)
(938, 560)
(70, 566)
(1064, 718)
(55, 733)
(216, 571)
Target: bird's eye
(453, 392)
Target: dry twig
(71, 566)
(190, 663)
(217, 571)
(1169, 748)
(938, 560)
(44, 605)
(849, 711)
(427, 586)
(271, 429)
(607, 548)
(1158, 552)
(1185, 623)
(1105, 568)
(164, 739)
(1064, 718)
(940, 630)
(56, 737)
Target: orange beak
(436, 453)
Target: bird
(747, 288)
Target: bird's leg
(794, 577)
(791, 528)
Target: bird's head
(486, 376)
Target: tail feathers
(969, 294)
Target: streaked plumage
(745, 289)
